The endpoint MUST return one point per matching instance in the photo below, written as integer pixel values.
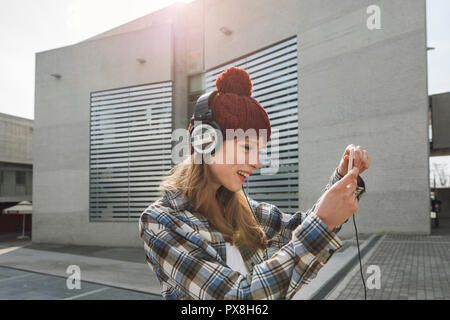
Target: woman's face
(235, 155)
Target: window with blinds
(273, 72)
(130, 149)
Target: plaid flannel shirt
(189, 257)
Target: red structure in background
(13, 222)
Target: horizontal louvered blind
(130, 149)
(273, 72)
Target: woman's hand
(360, 159)
(339, 202)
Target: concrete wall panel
(61, 145)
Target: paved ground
(411, 267)
(25, 285)
(102, 267)
(39, 271)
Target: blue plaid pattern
(189, 257)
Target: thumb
(352, 174)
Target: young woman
(206, 240)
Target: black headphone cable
(359, 256)
(357, 244)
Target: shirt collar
(173, 197)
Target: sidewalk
(27, 285)
(411, 266)
(117, 267)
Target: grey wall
(440, 106)
(360, 86)
(61, 141)
(16, 136)
(13, 187)
(444, 196)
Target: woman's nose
(255, 164)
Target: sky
(30, 26)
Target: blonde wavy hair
(238, 224)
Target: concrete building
(330, 73)
(16, 169)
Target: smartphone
(350, 160)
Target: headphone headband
(202, 109)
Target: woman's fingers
(366, 160)
(361, 158)
(358, 157)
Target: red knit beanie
(233, 107)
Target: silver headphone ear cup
(206, 137)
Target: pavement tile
(412, 267)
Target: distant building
(440, 146)
(16, 169)
(327, 75)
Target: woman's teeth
(242, 173)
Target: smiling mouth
(242, 176)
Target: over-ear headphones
(205, 135)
